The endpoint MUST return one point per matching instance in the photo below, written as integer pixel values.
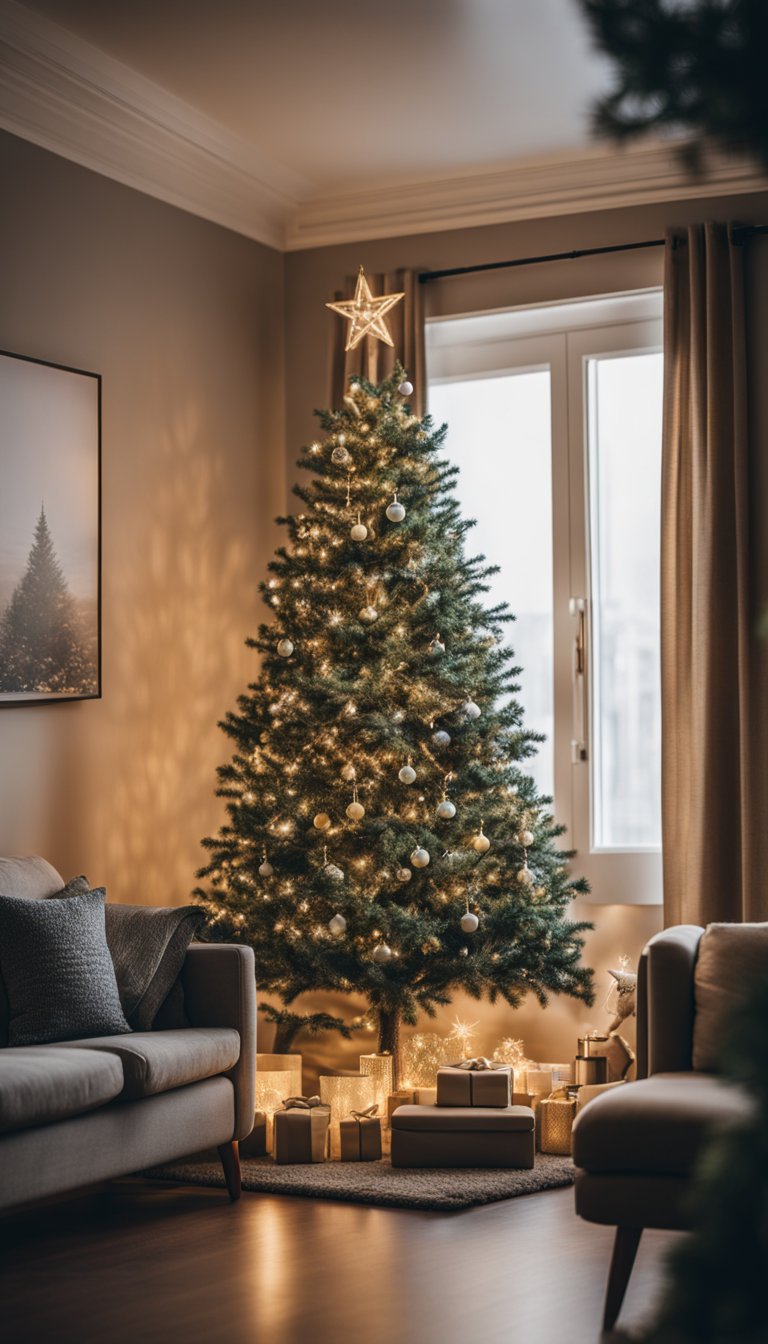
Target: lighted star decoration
(365, 314)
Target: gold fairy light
(365, 314)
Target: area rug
(381, 1184)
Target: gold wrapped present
(361, 1136)
(301, 1130)
(554, 1121)
(474, 1082)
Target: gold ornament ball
(285, 648)
(420, 857)
(337, 925)
(358, 532)
(355, 811)
(403, 874)
(526, 839)
(525, 876)
(348, 771)
(321, 821)
(480, 843)
(266, 869)
(407, 775)
(381, 953)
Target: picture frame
(50, 532)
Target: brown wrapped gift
(361, 1136)
(474, 1082)
(554, 1121)
(301, 1130)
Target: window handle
(577, 606)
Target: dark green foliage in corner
(717, 1275)
(696, 68)
(343, 714)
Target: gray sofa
(81, 1111)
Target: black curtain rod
(739, 234)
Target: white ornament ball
(407, 775)
(355, 811)
(348, 771)
(396, 511)
(446, 809)
(381, 953)
(403, 874)
(469, 922)
(405, 389)
(525, 877)
(358, 531)
(285, 648)
(266, 869)
(441, 738)
(368, 614)
(340, 456)
(526, 839)
(337, 925)
(471, 710)
(437, 648)
(480, 843)
(321, 821)
(420, 857)
(333, 873)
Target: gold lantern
(273, 1086)
(379, 1068)
(344, 1094)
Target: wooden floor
(133, 1261)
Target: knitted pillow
(731, 958)
(57, 970)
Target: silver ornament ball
(333, 873)
(526, 839)
(266, 869)
(441, 738)
(420, 857)
(285, 648)
(407, 775)
(340, 456)
(406, 388)
(469, 922)
(358, 531)
(381, 953)
(396, 511)
(368, 614)
(337, 925)
(446, 809)
(470, 710)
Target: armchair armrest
(665, 1008)
(220, 991)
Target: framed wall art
(50, 532)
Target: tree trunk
(389, 1041)
(285, 1035)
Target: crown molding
(70, 97)
(594, 179)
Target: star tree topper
(366, 314)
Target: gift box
(425, 1096)
(361, 1136)
(301, 1130)
(554, 1121)
(474, 1082)
(404, 1097)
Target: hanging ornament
(407, 775)
(446, 809)
(480, 842)
(285, 648)
(265, 867)
(403, 874)
(396, 511)
(420, 857)
(365, 313)
(381, 953)
(469, 922)
(340, 456)
(337, 925)
(348, 771)
(525, 876)
(526, 839)
(321, 821)
(470, 710)
(355, 811)
(437, 647)
(368, 614)
(330, 870)
(405, 389)
(441, 738)
(358, 531)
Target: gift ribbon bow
(560, 1093)
(367, 1114)
(479, 1064)
(301, 1103)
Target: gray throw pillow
(57, 970)
(148, 945)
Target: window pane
(499, 436)
(624, 414)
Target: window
(554, 418)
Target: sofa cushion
(39, 1084)
(33, 878)
(656, 1125)
(156, 1061)
(464, 1119)
(732, 957)
(57, 970)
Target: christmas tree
(383, 837)
(41, 637)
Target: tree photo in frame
(50, 532)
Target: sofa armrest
(665, 1009)
(219, 982)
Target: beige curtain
(373, 359)
(714, 790)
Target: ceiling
(303, 122)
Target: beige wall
(312, 277)
(184, 321)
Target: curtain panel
(713, 666)
(373, 359)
